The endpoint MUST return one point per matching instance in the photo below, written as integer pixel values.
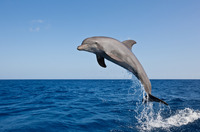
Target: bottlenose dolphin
(119, 53)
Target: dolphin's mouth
(80, 47)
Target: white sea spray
(150, 118)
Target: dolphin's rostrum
(119, 53)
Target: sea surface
(98, 106)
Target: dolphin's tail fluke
(152, 98)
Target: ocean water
(98, 105)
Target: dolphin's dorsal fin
(129, 43)
(101, 61)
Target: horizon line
(107, 79)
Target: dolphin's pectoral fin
(101, 61)
(129, 43)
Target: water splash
(150, 120)
(150, 117)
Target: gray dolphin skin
(119, 53)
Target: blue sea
(98, 106)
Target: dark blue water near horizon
(98, 105)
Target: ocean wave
(150, 120)
(150, 117)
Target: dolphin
(119, 53)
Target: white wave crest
(150, 118)
(149, 121)
(183, 117)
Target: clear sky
(39, 38)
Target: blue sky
(38, 39)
